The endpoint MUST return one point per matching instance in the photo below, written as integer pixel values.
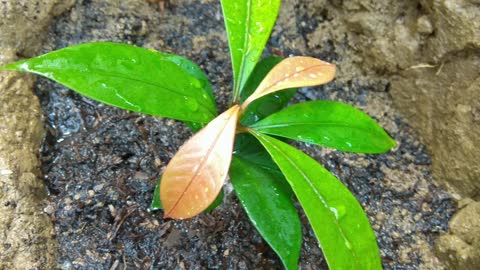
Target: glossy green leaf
(262, 190)
(129, 77)
(268, 104)
(157, 203)
(267, 201)
(249, 24)
(341, 226)
(195, 71)
(248, 147)
(328, 123)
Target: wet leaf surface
(293, 72)
(157, 203)
(268, 203)
(328, 123)
(249, 24)
(130, 78)
(338, 220)
(268, 104)
(195, 175)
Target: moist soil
(101, 163)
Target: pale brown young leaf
(195, 175)
(293, 72)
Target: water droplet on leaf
(334, 211)
(348, 244)
(196, 84)
(191, 104)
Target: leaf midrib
(120, 76)
(202, 163)
(261, 165)
(266, 89)
(310, 123)
(245, 46)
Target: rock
(424, 25)
(443, 102)
(23, 23)
(460, 248)
(26, 232)
(442, 105)
(434, 77)
(456, 26)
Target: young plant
(266, 172)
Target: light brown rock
(460, 248)
(26, 232)
(431, 49)
(443, 105)
(22, 23)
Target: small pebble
(112, 209)
(98, 187)
(49, 209)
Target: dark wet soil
(101, 163)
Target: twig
(120, 224)
(421, 66)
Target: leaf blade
(249, 24)
(339, 223)
(293, 72)
(268, 204)
(195, 71)
(195, 175)
(328, 123)
(129, 77)
(268, 104)
(156, 203)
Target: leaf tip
(6, 67)
(392, 143)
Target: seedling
(267, 173)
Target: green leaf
(328, 123)
(129, 77)
(249, 148)
(216, 202)
(341, 226)
(249, 24)
(266, 197)
(157, 203)
(195, 71)
(268, 104)
(267, 201)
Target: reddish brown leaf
(195, 175)
(291, 73)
